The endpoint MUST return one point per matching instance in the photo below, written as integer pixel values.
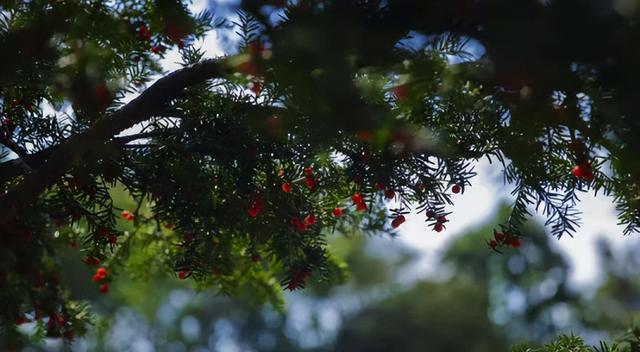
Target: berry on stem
(397, 221)
(310, 219)
(337, 212)
(389, 194)
(310, 182)
(104, 288)
(455, 189)
(286, 187)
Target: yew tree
(327, 116)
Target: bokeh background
(420, 291)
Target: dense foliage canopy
(240, 166)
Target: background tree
(327, 110)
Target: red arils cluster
(158, 49)
(337, 212)
(504, 239)
(255, 207)
(300, 225)
(389, 194)
(397, 221)
(127, 215)
(583, 171)
(309, 180)
(255, 86)
(100, 274)
(297, 277)
(143, 32)
(286, 187)
(439, 225)
(359, 202)
(310, 219)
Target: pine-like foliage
(332, 115)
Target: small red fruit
(182, 275)
(430, 214)
(253, 211)
(143, 32)
(583, 171)
(100, 274)
(397, 221)
(516, 243)
(442, 219)
(389, 194)
(493, 244)
(337, 212)
(438, 227)
(158, 49)
(455, 189)
(379, 186)
(361, 206)
(356, 198)
(104, 288)
(310, 219)
(310, 182)
(286, 187)
(307, 171)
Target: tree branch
(80, 147)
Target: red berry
(104, 288)
(361, 206)
(379, 186)
(286, 187)
(254, 211)
(182, 275)
(158, 49)
(516, 243)
(100, 274)
(307, 171)
(500, 237)
(127, 215)
(442, 219)
(389, 194)
(455, 189)
(337, 212)
(255, 87)
(310, 182)
(143, 32)
(398, 221)
(583, 171)
(401, 92)
(430, 214)
(438, 227)
(310, 219)
(356, 198)
(493, 244)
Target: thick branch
(80, 147)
